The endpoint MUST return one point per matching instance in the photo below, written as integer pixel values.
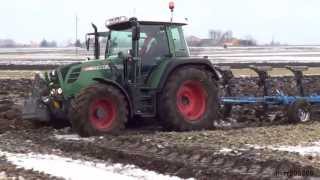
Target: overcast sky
(288, 21)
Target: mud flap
(35, 110)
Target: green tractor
(146, 72)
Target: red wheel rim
(192, 100)
(102, 113)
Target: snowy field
(76, 169)
(41, 56)
(280, 54)
(260, 54)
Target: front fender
(123, 91)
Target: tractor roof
(125, 24)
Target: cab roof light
(116, 20)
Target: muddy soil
(183, 160)
(189, 154)
(12, 93)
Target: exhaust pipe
(96, 42)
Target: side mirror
(87, 43)
(121, 55)
(136, 33)
(130, 52)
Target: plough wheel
(299, 112)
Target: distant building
(193, 41)
(220, 38)
(7, 43)
(34, 44)
(232, 42)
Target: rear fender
(205, 64)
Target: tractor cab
(144, 44)
(154, 39)
(147, 42)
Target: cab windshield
(120, 41)
(153, 42)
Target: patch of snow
(262, 59)
(233, 48)
(222, 124)
(317, 143)
(244, 76)
(72, 137)
(257, 54)
(234, 151)
(303, 150)
(225, 150)
(312, 149)
(81, 170)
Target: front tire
(189, 100)
(98, 109)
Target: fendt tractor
(146, 72)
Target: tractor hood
(90, 65)
(75, 76)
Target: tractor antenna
(76, 35)
(134, 12)
(171, 7)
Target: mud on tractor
(146, 72)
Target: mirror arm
(87, 42)
(107, 46)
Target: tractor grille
(64, 70)
(74, 75)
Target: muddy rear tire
(98, 109)
(189, 100)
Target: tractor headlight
(53, 92)
(59, 91)
(45, 99)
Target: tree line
(10, 43)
